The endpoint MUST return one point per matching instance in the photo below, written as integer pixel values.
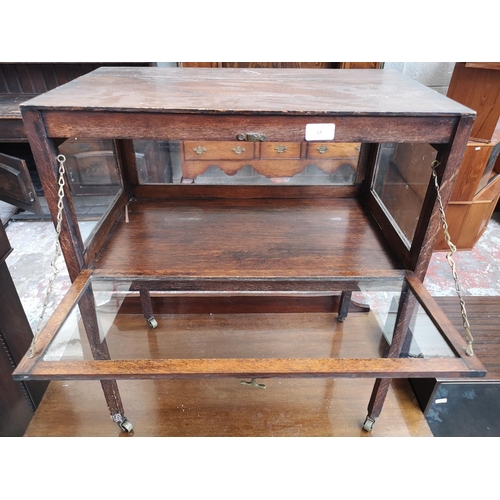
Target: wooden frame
(108, 369)
(291, 243)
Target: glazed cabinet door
(16, 186)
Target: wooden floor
(483, 314)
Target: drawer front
(218, 150)
(279, 150)
(333, 150)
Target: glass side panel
(402, 174)
(93, 177)
(202, 326)
(424, 339)
(246, 163)
(155, 161)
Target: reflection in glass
(424, 339)
(246, 163)
(401, 179)
(197, 326)
(93, 178)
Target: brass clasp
(253, 383)
(251, 137)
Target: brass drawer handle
(199, 150)
(238, 150)
(281, 149)
(322, 149)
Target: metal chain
(468, 335)
(55, 271)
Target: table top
(263, 91)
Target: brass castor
(126, 426)
(369, 423)
(152, 323)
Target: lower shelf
(224, 408)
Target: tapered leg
(345, 301)
(100, 351)
(407, 303)
(347, 304)
(147, 308)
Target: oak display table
(259, 237)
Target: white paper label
(441, 401)
(320, 131)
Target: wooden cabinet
(18, 400)
(261, 245)
(477, 188)
(18, 83)
(16, 186)
(474, 198)
(477, 85)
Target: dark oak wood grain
(426, 233)
(251, 239)
(246, 239)
(45, 154)
(263, 91)
(226, 127)
(103, 229)
(173, 191)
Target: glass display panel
(424, 338)
(246, 163)
(93, 178)
(402, 174)
(155, 161)
(202, 326)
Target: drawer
(218, 150)
(333, 149)
(280, 150)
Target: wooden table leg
(407, 304)
(347, 305)
(100, 351)
(345, 301)
(147, 308)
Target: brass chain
(55, 270)
(468, 335)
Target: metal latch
(251, 137)
(253, 383)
